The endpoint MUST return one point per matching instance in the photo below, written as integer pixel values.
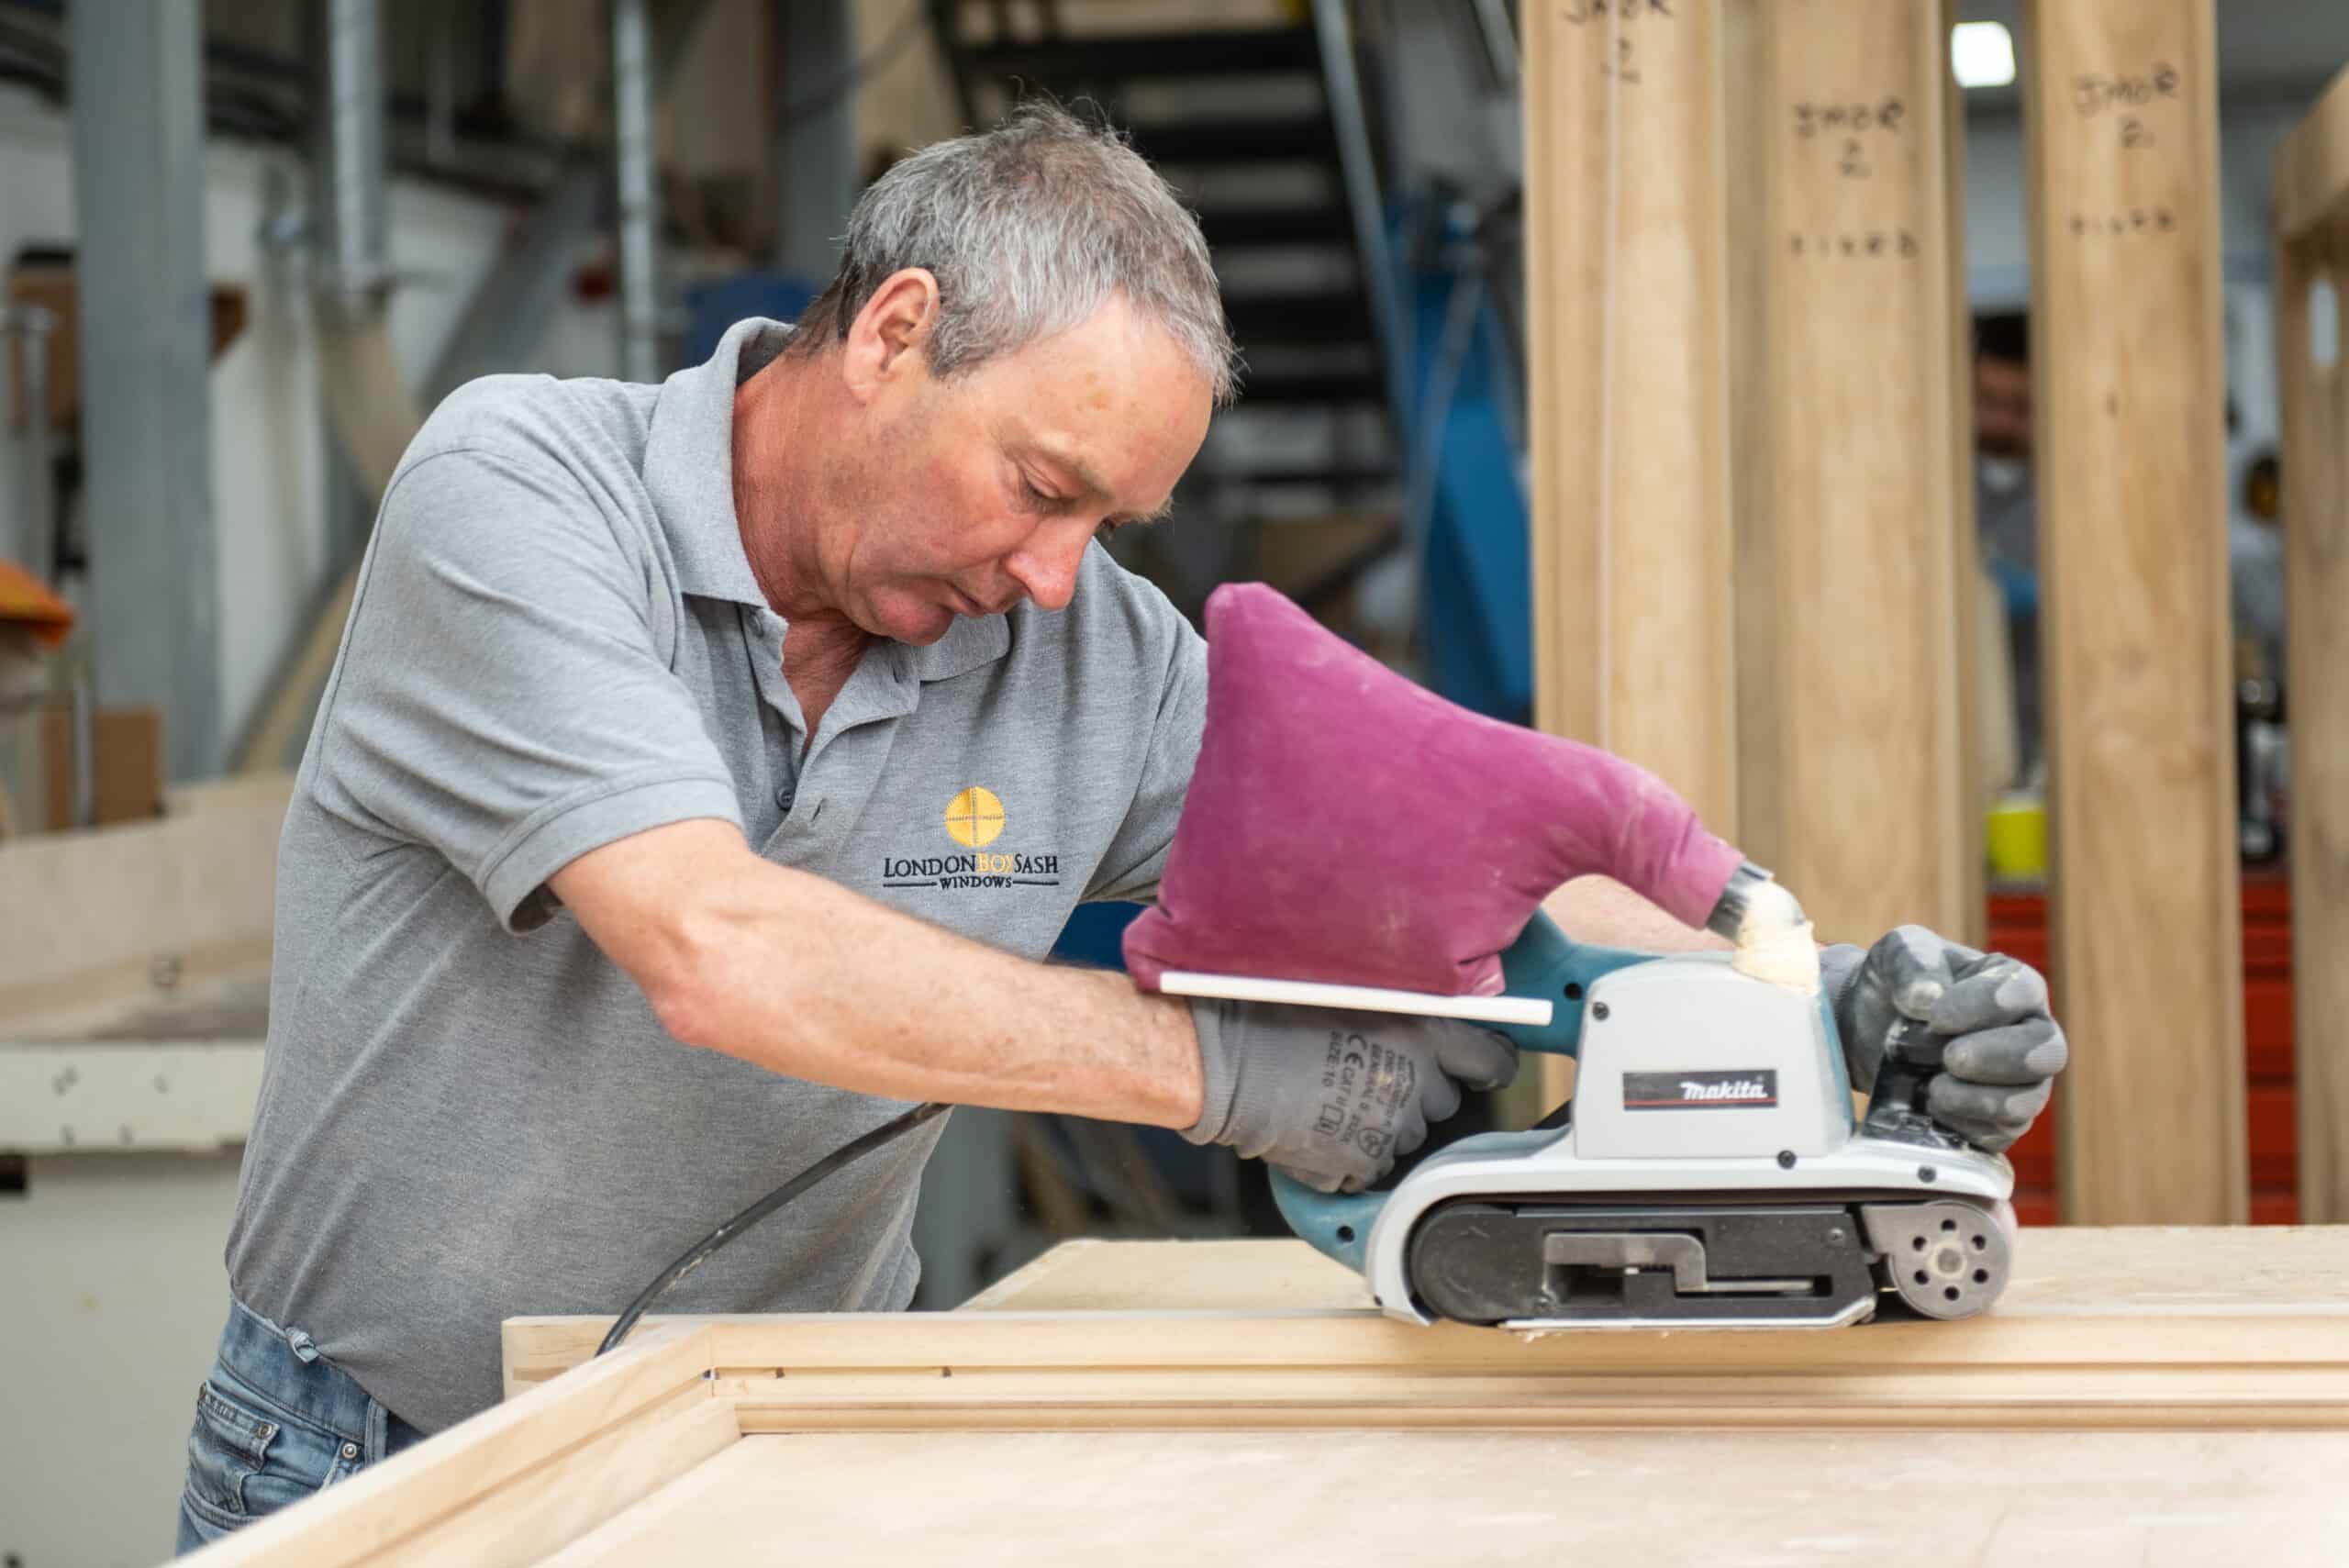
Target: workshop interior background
(1358, 167)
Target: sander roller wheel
(1947, 1259)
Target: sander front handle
(1541, 964)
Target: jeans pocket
(198, 1526)
(246, 1460)
(227, 1447)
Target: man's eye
(1040, 499)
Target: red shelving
(2019, 926)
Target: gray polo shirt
(468, 1112)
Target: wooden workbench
(2140, 1396)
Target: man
(2006, 509)
(608, 895)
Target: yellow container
(2016, 839)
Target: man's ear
(885, 341)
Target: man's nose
(1046, 566)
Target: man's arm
(1601, 910)
(804, 977)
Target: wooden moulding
(518, 1481)
(2099, 1333)
(2313, 166)
(1628, 396)
(2130, 393)
(1854, 772)
(2118, 1331)
(1626, 202)
(2312, 247)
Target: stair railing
(1365, 205)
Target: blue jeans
(275, 1422)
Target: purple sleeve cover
(1346, 826)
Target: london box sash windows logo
(975, 819)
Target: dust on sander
(1773, 941)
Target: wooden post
(1632, 553)
(2313, 248)
(1630, 390)
(1848, 484)
(2123, 108)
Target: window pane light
(1982, 54)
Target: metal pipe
(1499, 36)
(35, 547)
(441, 87)
(1342, 85)
(349, 206)
(639, 208)
(85, 756)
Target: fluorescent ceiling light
(1982, 54)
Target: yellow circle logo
(974, 816)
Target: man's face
(980, 491)
(2001, 407)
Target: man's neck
(778, 475)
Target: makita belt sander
(1351, 840)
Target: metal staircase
(1264, 132)
(1373, 323)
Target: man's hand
(1332, 1098)
(1981, 1018)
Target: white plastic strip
(1360, 998)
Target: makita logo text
(1700, 1090)
(1743, 1089)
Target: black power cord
(847, 1154)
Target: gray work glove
(1332, 1098)
(1979, 1022)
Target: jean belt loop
(303, 1347)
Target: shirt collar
(689, 474)
(969, 642)
(689, 464)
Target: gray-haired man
(706, 768)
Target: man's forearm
(866, 997)
(807, 978)
(1601, 910)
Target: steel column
(640, 211)
(349, 206)
(146, 349)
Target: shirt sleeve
(1136, 854)
(504, 696)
